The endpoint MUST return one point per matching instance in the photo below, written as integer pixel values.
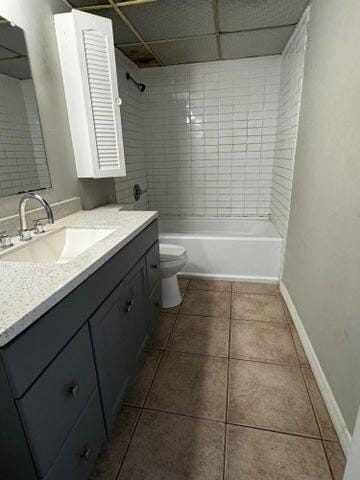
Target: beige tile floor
(224, 391)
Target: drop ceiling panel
(235, 15)
(140, 55)
(166, 19)
(269, 41)
(122, 33)
(86, 3)
(202, 49)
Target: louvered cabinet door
(89, 72)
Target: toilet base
(170, 292)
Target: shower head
(140, 86)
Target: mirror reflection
(23, 165)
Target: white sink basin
(59, 246)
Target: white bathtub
(228, 248)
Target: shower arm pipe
(139, 86)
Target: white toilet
(172, 260)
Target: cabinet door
(155, 307)
(153, 267)
(112, 336)
(87, 56)
(136, 307)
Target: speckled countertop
(28, 290)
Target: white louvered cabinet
(86, 49)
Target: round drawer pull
(157, 304)
(155, 266)
(86, 453)
(74, 389)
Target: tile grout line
(227, 384)
(314, 410)
(166, 348)
(287, 313)
(182, 414)
(243, 359)
(280, 432)
(142, 408)
(211, 316)
(244, 425)
(290, 323)
(141, 413)
(128, 444)
(328, 460)
(232, 291)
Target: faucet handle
(24, 235)
(5, 240)
(38, 226)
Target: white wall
(210, 136)
(132, 118)
(352, 471)
(18, 153)
(33, 121)
(322, 262)
(37, 21)
(292, 72)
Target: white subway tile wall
(292, 70)
(132, 118)
(22, 155)
(210, 136)
(35, 132)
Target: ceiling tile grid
(236, 15)
(174, 32)
(254, 43)
(122, 33)
(167, 19)
(186, 51)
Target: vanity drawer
(155, 306)
(77, 457)
(153, 266)
(51, 406)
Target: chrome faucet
(24, 232)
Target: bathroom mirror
(23, 165)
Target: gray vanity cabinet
(119, 332)
(65, 387)
(110, 333)
(62, 381)
(136, 308)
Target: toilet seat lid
(168, 251)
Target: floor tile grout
(244, 425)
(128, 443)
(282, 432)
(181, 414)
(181, 314)
(141, 412)
(227, 386)
(314, 409)
(142, 408)
(328, 459)
(224, 422)
(290, 321)
(229, 356)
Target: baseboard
(232, 278)
(326, 392)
